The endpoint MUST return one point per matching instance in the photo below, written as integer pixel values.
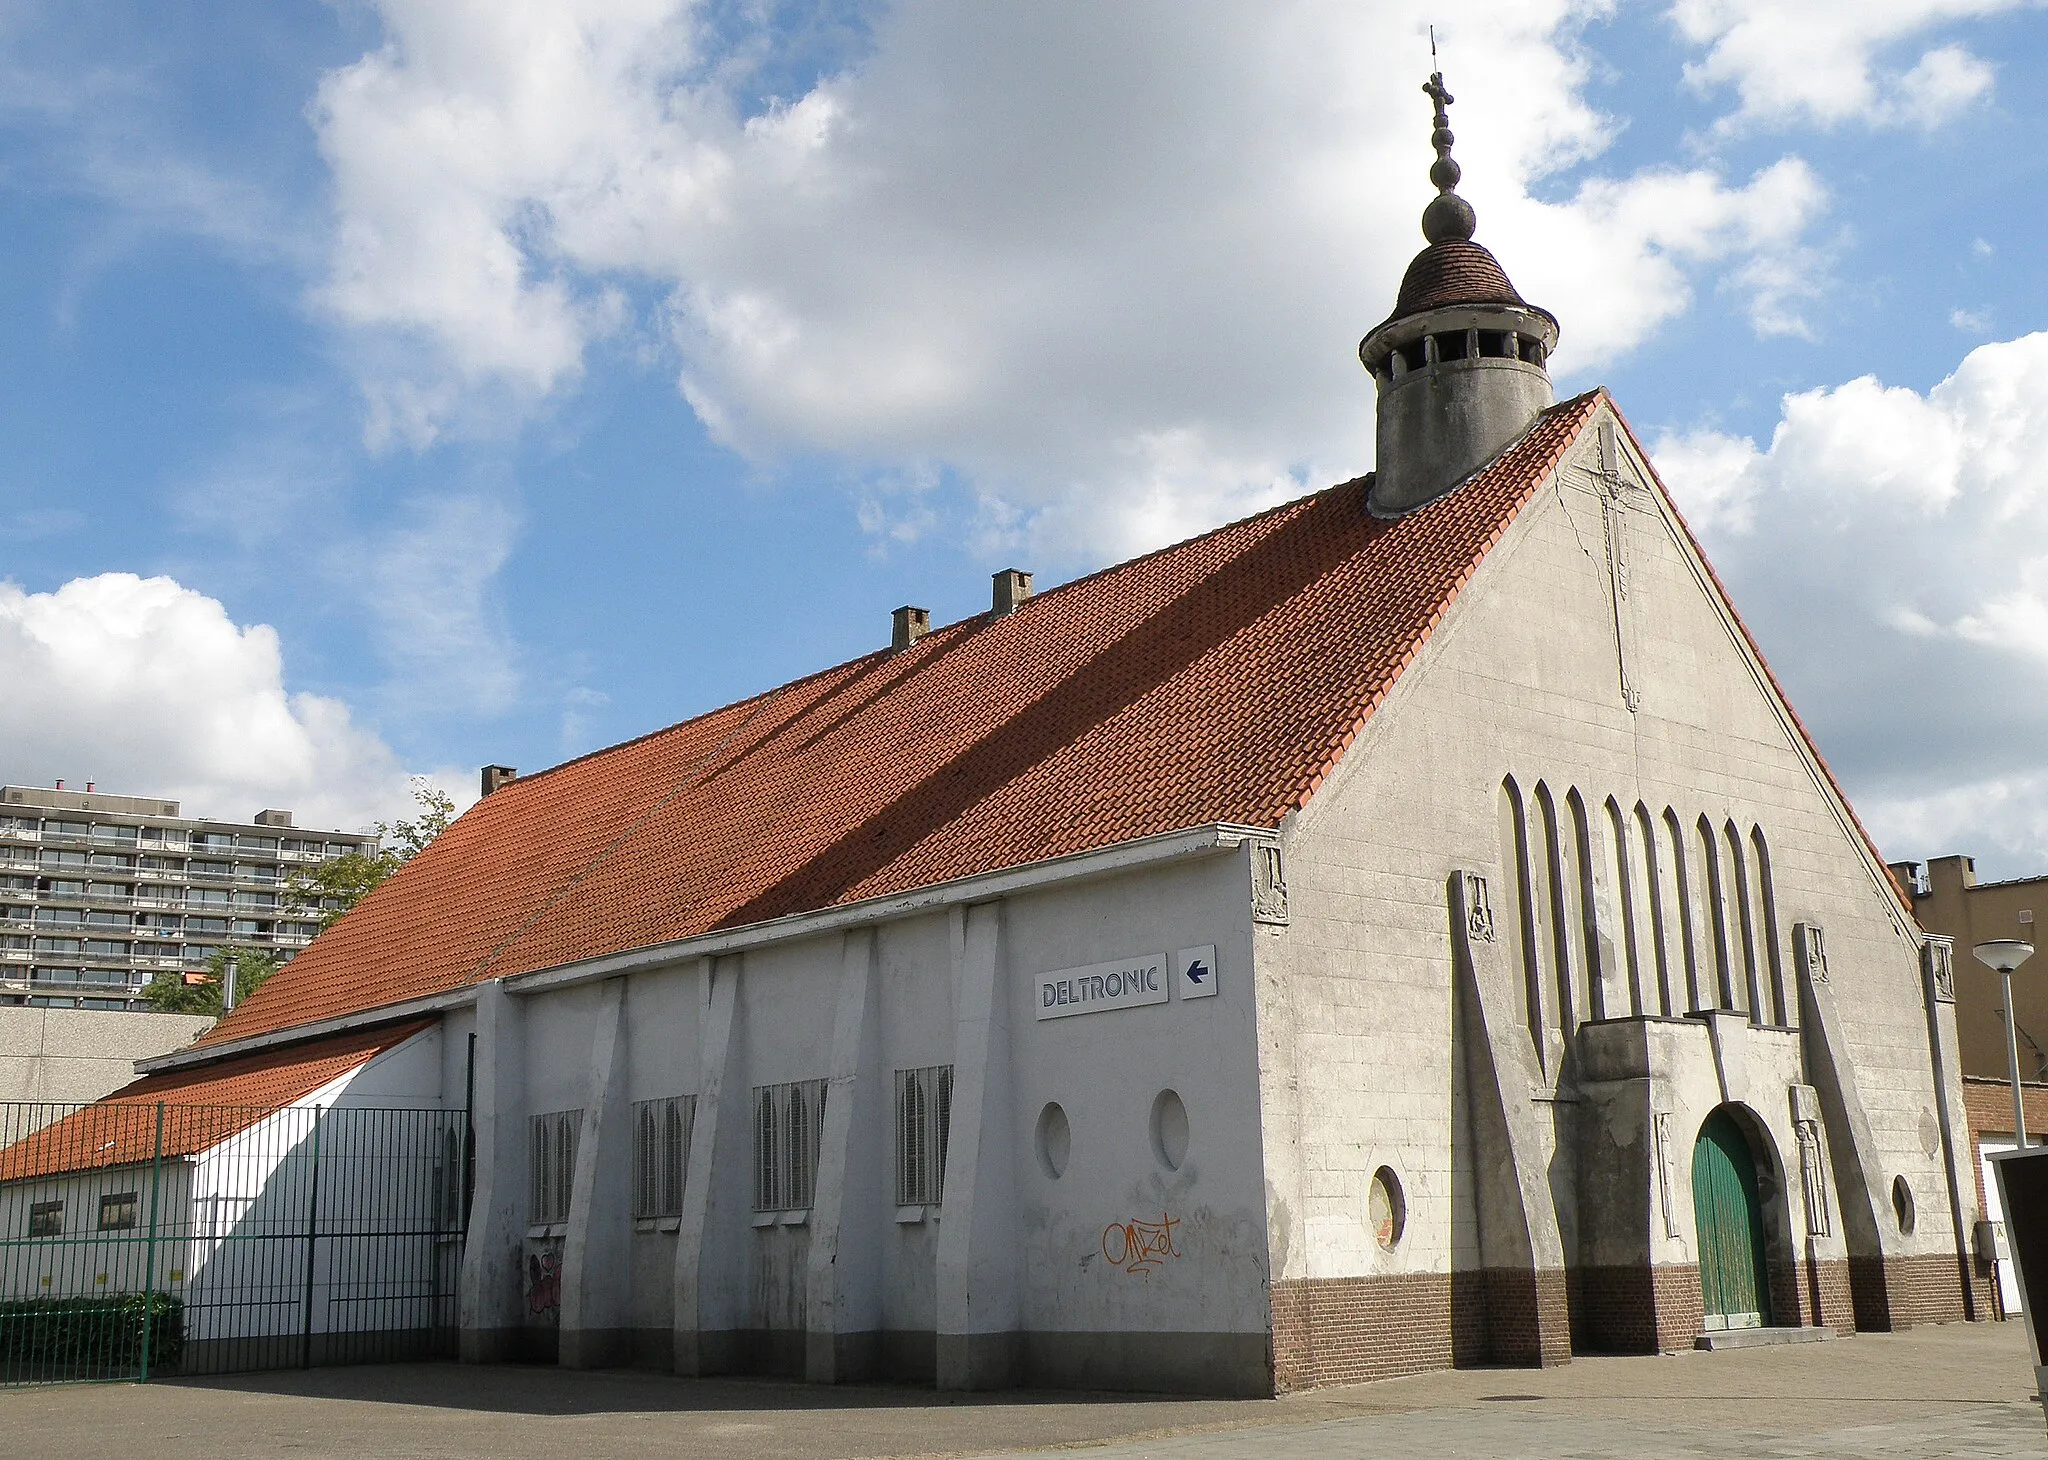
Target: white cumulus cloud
(1890, 547)
(1050, 249)
(150, 688)
(1833, 61)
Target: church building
(1406, 928)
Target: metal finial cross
(1436, 91)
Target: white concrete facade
(1200, 1212)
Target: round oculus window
(1169, 1130)
(1055, 1140)
(1386, 1209)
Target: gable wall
(1356, 994)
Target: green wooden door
(1734, 1290)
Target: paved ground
(1960, 1390)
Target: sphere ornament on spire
(1448, 217)
(1460, 363)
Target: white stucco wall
(1524, 678)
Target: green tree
(332, 888)
(198, 991)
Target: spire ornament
(1448, 218)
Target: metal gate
(145, 1239)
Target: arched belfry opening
(1460, 363)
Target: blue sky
(491, 382)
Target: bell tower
(1460, 363)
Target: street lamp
(2004, 955)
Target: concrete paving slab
(1964, 1389)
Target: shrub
(88, 1337)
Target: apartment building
(100, 893)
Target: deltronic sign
(1147, 979)
(1103, 986)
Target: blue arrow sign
(1195, 972)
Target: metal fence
(139, 1240)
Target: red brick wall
(1638, 1310)
(1349, 1330)
(1898, 1292)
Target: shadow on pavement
(546, 1390)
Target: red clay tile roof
(1455, 272)
(1215, 681)
(203, 1106)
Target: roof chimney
(1013, 591)
(496, 776)
(90, 787)
(269, 817)
(910, 625)
(60, 783)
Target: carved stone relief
(1269, 885)
(1812, 1167)
(1809, 946)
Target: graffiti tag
(543, 1282)
(1138, 1246)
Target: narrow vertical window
(788, 1122)
(924, 1099)
(661, 1155)
(1685, 904)
(1557, 881)
(1523, 926)
(1714, 892)
(554, 1166)
(1656, 900)
(1743, 935)
(1784, 1011)
(1623, 869)
(1596, 939)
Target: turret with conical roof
(1460, 362)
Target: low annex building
(1405, 928)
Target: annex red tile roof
(203, 1106)
(1214, 681)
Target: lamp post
(2004, 955)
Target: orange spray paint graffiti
(1141, 1247)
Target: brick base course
(1349, 1330)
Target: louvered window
(787, 1122)
(554, 1165)
(924, 1107)
(661, 1154)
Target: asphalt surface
(1964, 1389)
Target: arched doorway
(1735, 1290)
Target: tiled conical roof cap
(1452, 270)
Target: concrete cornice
(1197, 841)
(982, 887)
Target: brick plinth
(1894, 1293)
(1348, 1330)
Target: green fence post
(156, 1173)
(312, 1238)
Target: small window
(1495, 345)
(46, 1219)
(661, 1154)
(1451, 345)
(1386, 1208)
(1055, 1140)
(553, 1171)
(1902, 1204)
(1169, 1129)
(787, 1122)
(1412, 355)
(117, 1211)
(924, 1113)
